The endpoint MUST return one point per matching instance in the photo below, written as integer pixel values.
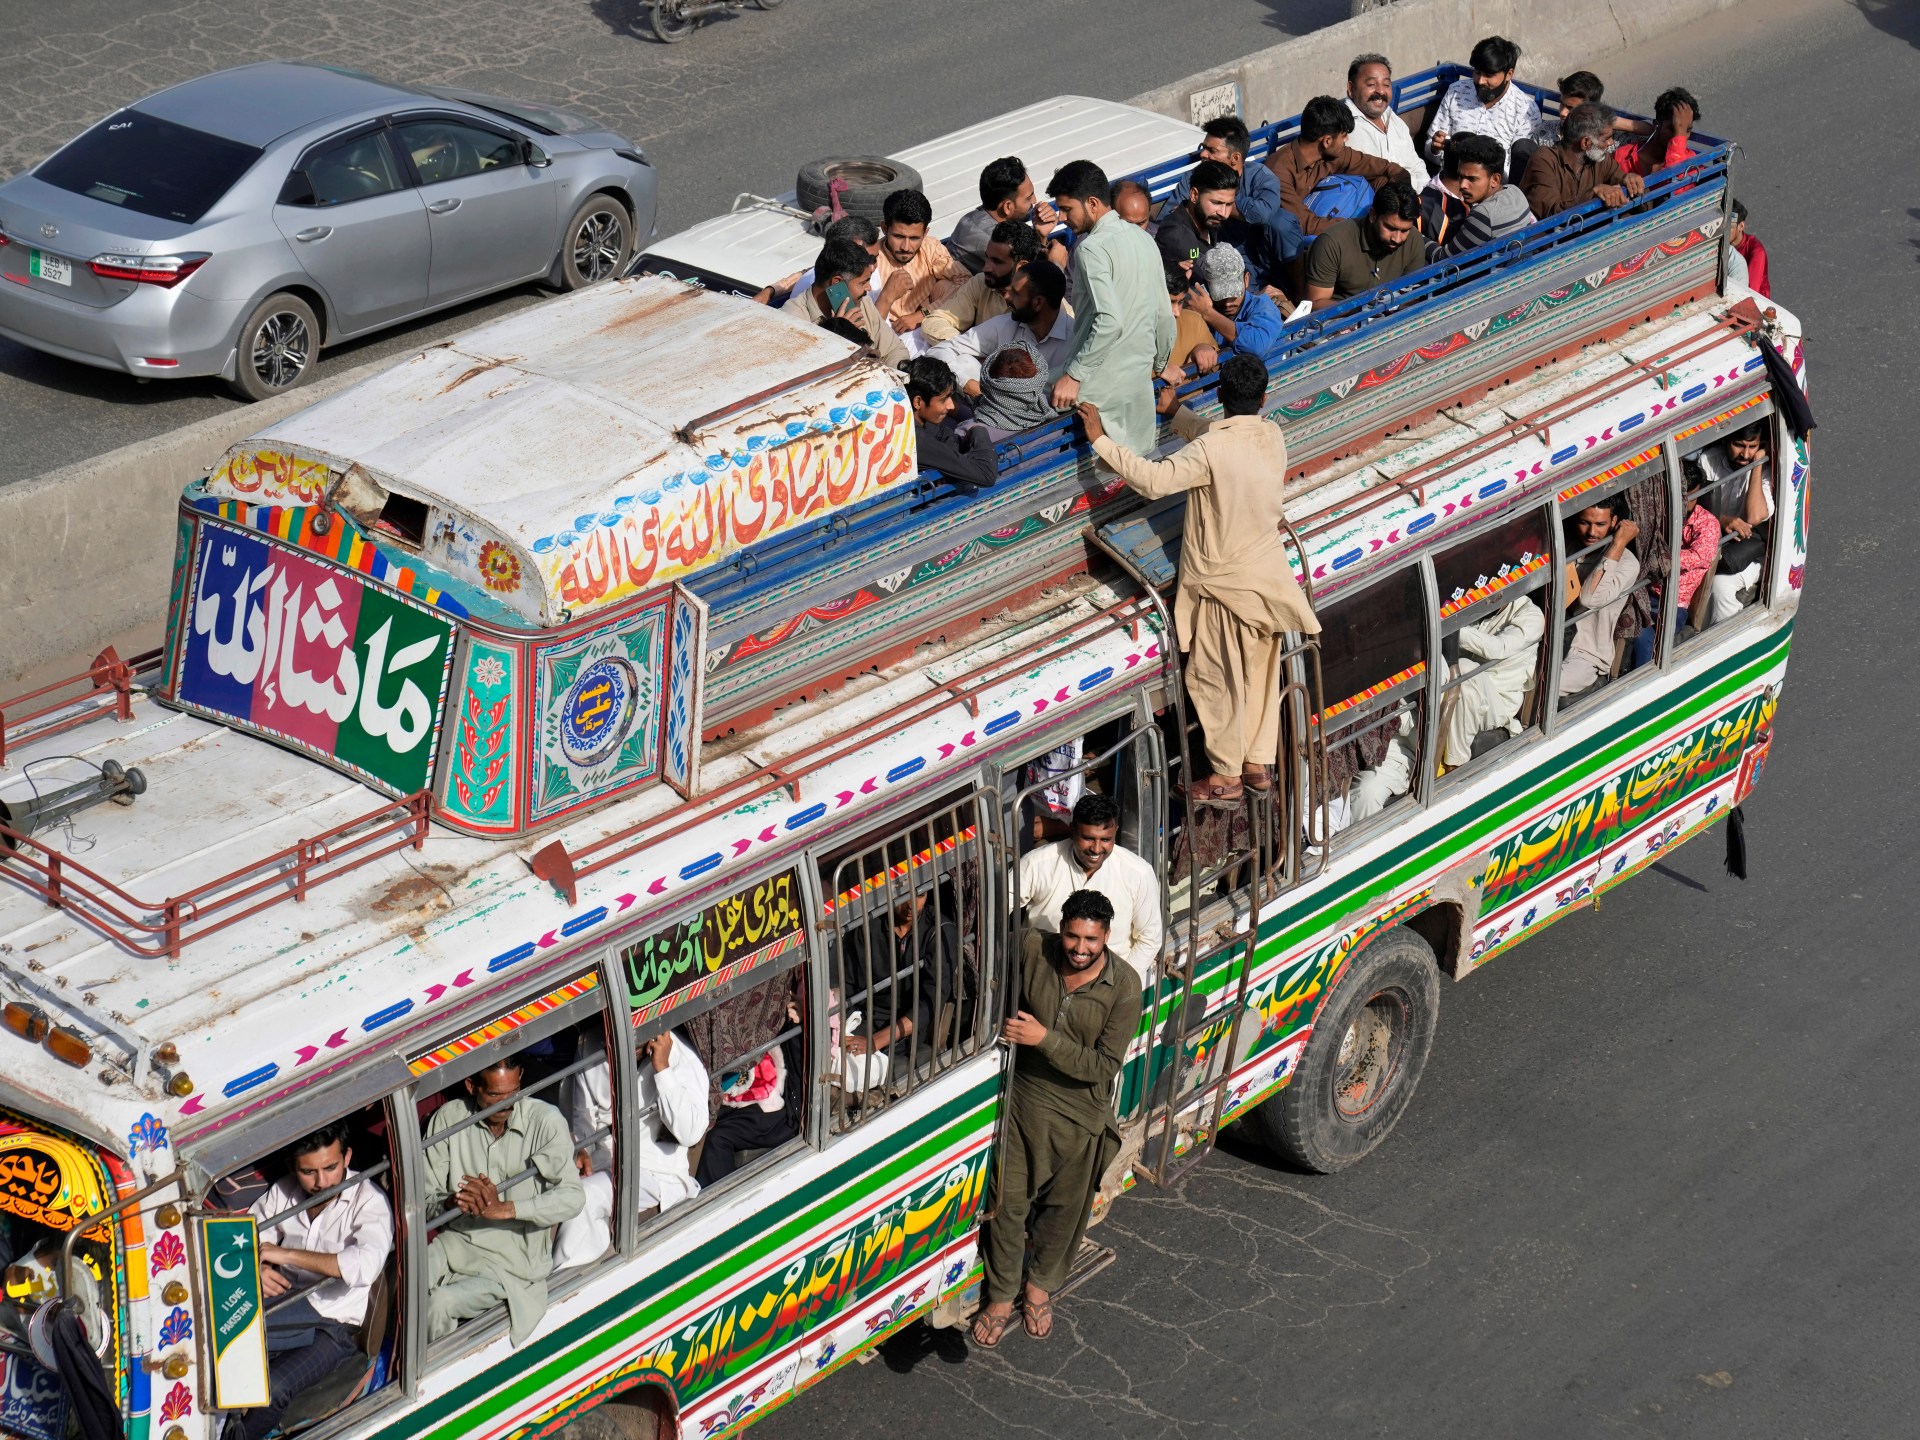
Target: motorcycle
(673, 20)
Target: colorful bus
(610, 672)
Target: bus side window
(1736, 484)
(1493, 620)
(1373, 665)
(753, 1046)
(508, 1144)
(905, 940)
(1615, 539)
(326, 1197)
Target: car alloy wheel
(598, 246)
(282, 345)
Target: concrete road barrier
(1555, 37)
(85, 551)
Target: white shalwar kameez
(1497, 657)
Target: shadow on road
(921, 1341)
(1899, 18)
(1297, 17)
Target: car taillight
(162, 270)
(5, 239)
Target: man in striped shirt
(1495, 209)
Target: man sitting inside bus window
(1497, 658)
(1013, 244)
(1356, 256)
(1605, 579)
(839, 289)
(901, 971)
(1245, 320)
(1091, 858)
(1744, 506)
(673, 1117)
(512, 1177)
(327, 1255)
(1369, 772)
(1496, 209)
(1580, 168)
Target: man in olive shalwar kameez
(1123, 330)
(1080, 1008)
(1237, 598)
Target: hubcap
(281, 347)
(597, 246)
(1370, 1055)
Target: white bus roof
(757, 245)
(613, 408)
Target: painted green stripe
(544, 1360)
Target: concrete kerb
(1555, 37)
(86, 551)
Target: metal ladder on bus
(1194, 1042)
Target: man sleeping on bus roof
(317, 1269)
(499, 1248)
(673, 1117)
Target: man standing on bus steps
(1237, 598)
(499, 1249)
(1122, 329)
(1080, 1006)
(329, 1255)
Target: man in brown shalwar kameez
(1237, 598)
(1080, 1008)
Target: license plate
(49, 267)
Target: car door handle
(441, 207)
(315, 232)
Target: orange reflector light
(29, 1022)
(180, 1084)
(68, 1045)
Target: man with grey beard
(1580, 168)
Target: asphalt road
(1659, 1179)
(739, 106)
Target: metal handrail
(169, 926)
(110, 682)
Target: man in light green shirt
(500, 1248)
(1122, 329)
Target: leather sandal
(1037, 1317)
(1216, 791)
(988, 1328)
(1258, 778)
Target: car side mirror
(533, 157)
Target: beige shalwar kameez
(1237, 598)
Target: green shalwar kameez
(1123, 328)
(1060, 1135)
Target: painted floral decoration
(489, 671)
(499, 567)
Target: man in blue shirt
(1256, 208)
(1247, 322)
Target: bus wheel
(641, 1414)
(1363, 1060)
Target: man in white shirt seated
(1090, 858)
(1037, 309)
(317, 1267)
(1498, 654)
(673, 1118)
(1377, 126)
(1744, 505)
(1488, 102)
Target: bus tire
(1363, 1060)
(641, 1414)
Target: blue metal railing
(930, 499)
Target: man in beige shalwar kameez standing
(1237, 598)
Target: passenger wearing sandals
(1237, 599)
(673, 1117)
(1081, 1006)
(328, 1256)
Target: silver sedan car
(235, 224)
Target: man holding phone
(839, 290)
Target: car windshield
(150, 165)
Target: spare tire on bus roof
(870, 179)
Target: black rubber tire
(583, 248)
(872, 178)
(1305, 1123)
(669, 27)
(768, 4)
(260, 362)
